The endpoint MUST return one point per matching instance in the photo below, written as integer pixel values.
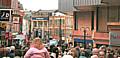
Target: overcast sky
(39, 4)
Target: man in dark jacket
(56, 51)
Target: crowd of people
(38, 50)
(78, 52)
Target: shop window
(40, 24)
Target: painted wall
(84, 20)
(102, 20)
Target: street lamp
(60, 34)
(84, 30)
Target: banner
(114, 38)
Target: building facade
(98, 18)
(102, 18)
(61, 26)
(10, 18)
(26, 29)
(39, 23)
(46, 24)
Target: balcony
(101, 36)
(113, 23)
(79, 33)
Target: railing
(113, 23)
(86, 2)
(98, 35)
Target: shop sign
(114, 38)
(4, 15)
(37, 18)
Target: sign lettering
(4, 15)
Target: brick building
(12, 20)
(98, 18)
(61, 26)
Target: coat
(36, 53)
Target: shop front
(81, 42)
(100, 39)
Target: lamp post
(30, 28)
(48, 26)
(84, 31)
(60, 34)
(84, 38)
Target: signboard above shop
(39, 18)
(4, 15)
(114, 38)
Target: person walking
(101, 54)
(11, 53)
(37, 50)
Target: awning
(82, 40)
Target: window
(56, 31)
(35, 24)
(50, 32)
(40, 23)
(69, 22)
(62, 21)
(56, 22)
(62, 32)
(45, 24)
(113, 14)
(50, 22)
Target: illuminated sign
(4, 15)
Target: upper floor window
(113, 14)
(35, 24)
